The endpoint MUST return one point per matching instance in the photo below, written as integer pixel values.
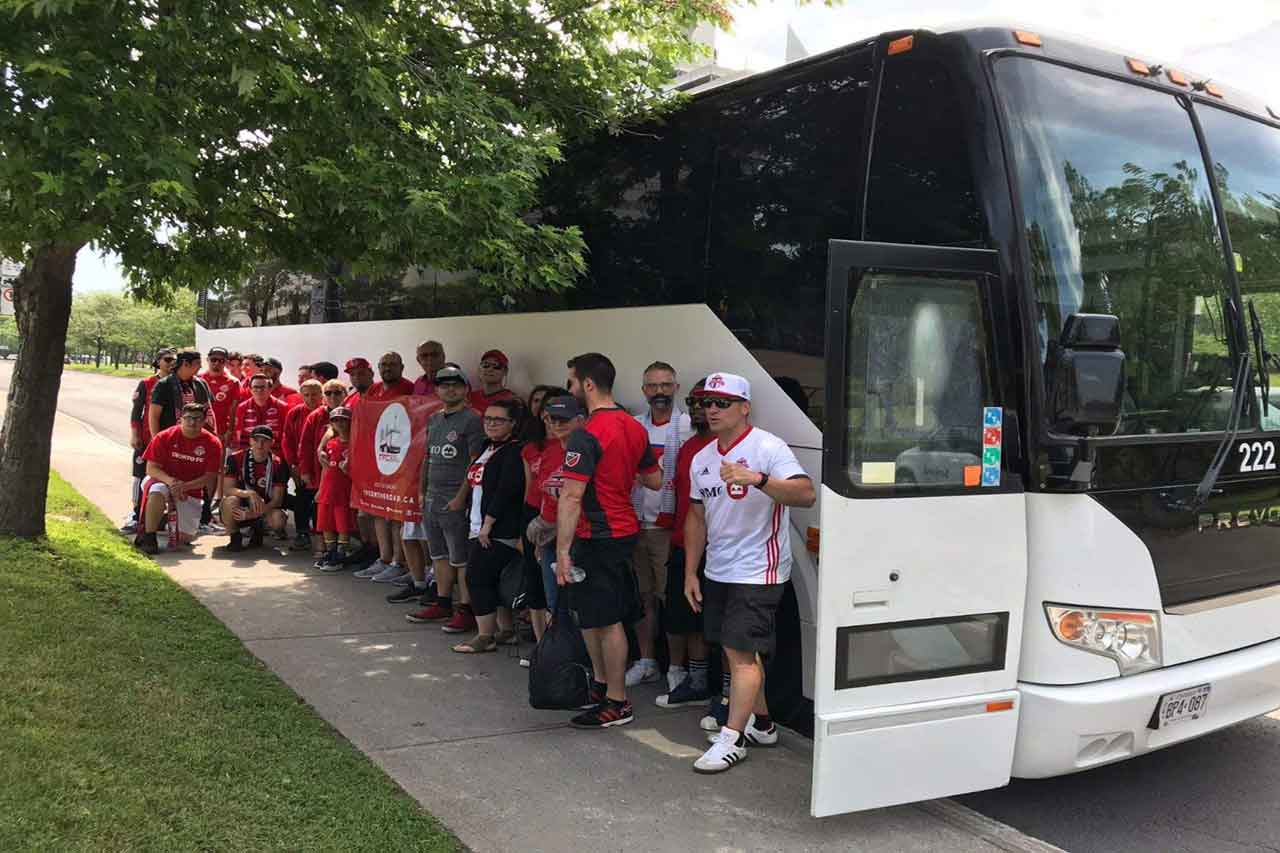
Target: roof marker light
(1137, 66)
(1214, 89)
(1177, 78)
(901, 45)
(1024, 37)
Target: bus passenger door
(922, 565)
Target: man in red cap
(360, 372)
(493, 379)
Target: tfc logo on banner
(388, 444)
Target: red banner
(388, 444)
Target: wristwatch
(764, 481)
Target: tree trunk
(42, 303)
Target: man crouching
(253, 488)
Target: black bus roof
(1063, 49)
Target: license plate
(1183, 705)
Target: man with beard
(140, 429)
(667, 428)
(176, 390)
(596, 529)
(390, 565)
(684, 626)
(360, 372)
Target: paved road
(100, 401)
(1215, 794)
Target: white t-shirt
(650, 500)
(475, 476)
(748, 532)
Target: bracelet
(764, 481)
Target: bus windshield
(1119, 219)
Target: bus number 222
(1254, 453)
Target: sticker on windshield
(992, 441)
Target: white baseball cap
(725, 385)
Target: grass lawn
(131, 719)
(131, 371)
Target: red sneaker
(431, 613)
(463, 622)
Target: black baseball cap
(274, 362)
(563, 408)
(222, 351)
(325, 370)
(262, 431)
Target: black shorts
(139, 464)
(680, 618)
(608, 594)
(740, 616)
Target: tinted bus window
(920, 189)
(1119, 220)
(1246, 165)
(786, 183)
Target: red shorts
(332, 518)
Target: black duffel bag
(560, 668)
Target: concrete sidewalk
(458, 733)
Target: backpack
(560, 668)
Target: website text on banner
(388, 444)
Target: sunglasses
(335, 393)
(217, 361)
(167, 359)
(490, 365)
(718, 402)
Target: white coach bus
(1009, 299)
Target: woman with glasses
(496, 479)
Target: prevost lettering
(1237, 519)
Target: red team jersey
(381, 391)
(225, 392)
(249, 415)
(480, 401)
(185, 458)
(141, 403)
(335, 485)
(287, 444)
(313, 427)
(551, 479)
(606, 454)
(684, 459)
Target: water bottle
(576, 574)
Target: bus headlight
(1129, 637)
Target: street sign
(8, 278)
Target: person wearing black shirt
(253, 486)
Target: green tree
(190, 138)
(97, 323)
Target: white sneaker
(390, 573)
(723, 754)
(377, 567)
(754, 736)
(642, 671)
(675, 677)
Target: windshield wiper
(1264, 358)
(1233, 427)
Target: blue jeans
(546, 558)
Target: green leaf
(245, 80)
(38, 66)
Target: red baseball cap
(497, 355)
(358, 364)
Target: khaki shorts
(653, 546)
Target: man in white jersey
(740, 487)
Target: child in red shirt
(333, 501)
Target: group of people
(610, 516)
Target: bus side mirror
(1086, 376)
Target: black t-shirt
(246, 470)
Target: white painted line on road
(989, 830)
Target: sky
(1232, 41)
